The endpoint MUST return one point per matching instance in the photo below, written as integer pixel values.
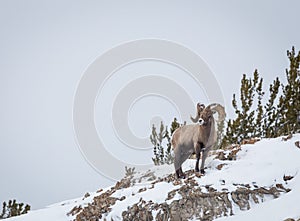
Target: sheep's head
(200, 108)
(205, 115)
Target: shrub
(12, 208)
(160, 139)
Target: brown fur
(196, 138)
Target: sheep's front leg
(197, 162)
(198, 152)
(204, 155)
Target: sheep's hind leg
(180, 157)
(180, 174)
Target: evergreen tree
(289, 102)
(220, 134)
(162, 155)
(277, 117)
(13, 209)
(270, 117)
(157, 141)
(246, 124)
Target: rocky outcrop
(199, 203)
(192, 201)
(229, 153)
(101, 204)
(187, 198)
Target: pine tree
(220, 134)
(154, 141)
(157, 141)
(247, 122)
(289, 102)
(277, 117)
(163, 137)
(271, 112)
(13, 209)
(174, 126)
(257, 128)
(4, 211)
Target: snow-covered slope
(264, 164)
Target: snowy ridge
(263, 164)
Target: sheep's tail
(175, 138)
(173, 143)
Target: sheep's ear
(200, 107)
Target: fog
(46, 47)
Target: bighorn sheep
(196, 138)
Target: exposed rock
(196, 201)
(141, 211)
(124, 183)
(74, 211)
(163, 213)
(229, 153)
(99, 191)
(171, 194)
(220, 166)
(142, 190)
(241, 198)
(280, 186)
(250, 141)
(86, 195)
(232, 154)
(149, 176)
(101, 204)
(199, 202)
(287, 137)
(243, 185)
(297, 143)
(221, 156)
(200, 205)
(287, 178)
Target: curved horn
(200, 108)
(219, 109)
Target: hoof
(181, 176)
(202, 171)
(197, 174)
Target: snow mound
(263, 182)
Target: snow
(49, 213)
(286, 206)
(263, 164)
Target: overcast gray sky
(45, 47)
